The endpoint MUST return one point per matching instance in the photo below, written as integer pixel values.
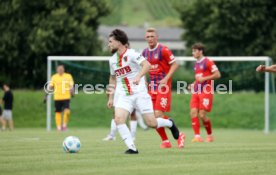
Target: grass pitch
(35, 151)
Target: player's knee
(151, 123)
(150, 120)
(118, 120)
(202, 115)
(158, 114)
(193, 113)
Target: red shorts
(161, 101)
(202, 101)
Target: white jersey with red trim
(126, 67)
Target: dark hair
(119, 35)
(199, 46)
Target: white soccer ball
(71, 144)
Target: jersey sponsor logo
(156, 56)
(164, 102)
(122, 71)
(205, 102)
(154, 66)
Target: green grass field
(240, 110)
(37, 152)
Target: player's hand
(163, 82)
(45, 98)
(200, 79)
(260, 68)
(136, 80)
(190, 87)
(110, 103)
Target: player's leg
(113, 128)
(133, 124)
(158, 105)
(206, 101)
(123, 107)
(161, 131)
(58, 118)
(66, 114)
(194, 106)
(10, 120)
(120, 120)
(140, 120)
(207, 124)
(145, 106)
(3, 122)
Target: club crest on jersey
(122, 71)
(156, 56)
(125, 58)
(201, 66)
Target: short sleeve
(112, 71)
(137, 57)
(71, 80)
(211, 66)
(52, 82)
(168, 55)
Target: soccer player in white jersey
(135, 118)
(127, 70)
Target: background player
(8, 106)
(202, 92)
(163, 66)
(127, 69)
(62, 84)
(263, 68)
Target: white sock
(140, 120)
(133, 127)
(163, 123)
(126, 136)
(113, 128)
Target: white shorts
(7, 114)
(115, 99)
(139, 101)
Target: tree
(31, 30)
(232, 28)
(238, 27)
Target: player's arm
(263, 68)
(111, 90)
(215, 75)
(71, 83)
(173, 68)
(167, 54)
(145, 69)
(49, 88)
(214, 70)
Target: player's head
(198, 50)
(117, 38)
(151, 37)
(127, 45)
(60, 69)
(6, 87)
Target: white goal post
(265, 59)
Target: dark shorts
(60, 105)
(1, 111)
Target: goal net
(243, 98)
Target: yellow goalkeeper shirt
(62, 85)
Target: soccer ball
(71, 144)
